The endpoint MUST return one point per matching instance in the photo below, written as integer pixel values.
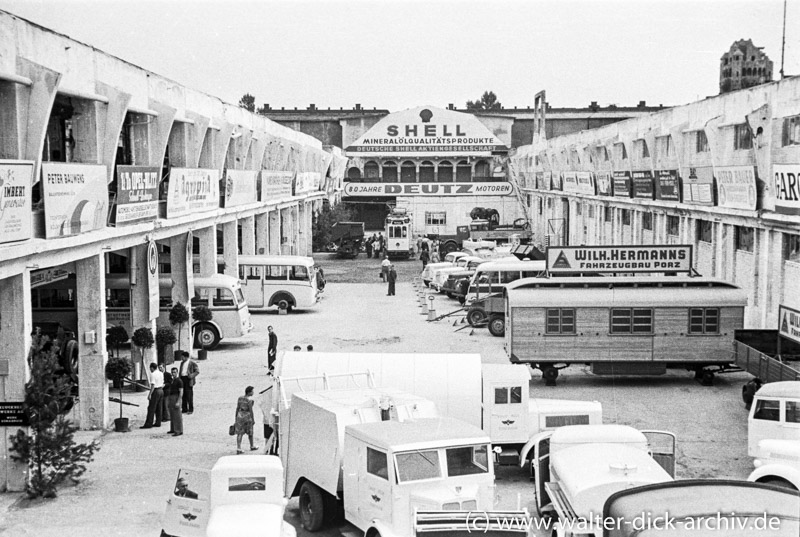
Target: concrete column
(275, 232)
(208, 250)
(286, 231)
(302, 209)
(262, 232)
(15, 340)
(91, 299)
(309, 230)
(140, 303)
(180, 259)
(230, 248)
(295, 236)
(248, 235)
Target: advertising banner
(16, 180)
(137, 193)
(44, 276)
(275, 185)
(668, 185)
(622, 184)
(697, 188)
(736, 187)
(555, 181)
(500, 188)
(240, 187)
(659, 258)
(789, 323)
(787, 188)
(538, 180)
(603, 183)
(152, 279)
(585, 183)
(307, 182)
(643, 184)
(570, 182)
(192, 190)
(75, 198)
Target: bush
(165, 336)
(116, 370)
(116, 336)
(202, 314)
(143, 337)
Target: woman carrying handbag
(244, 419)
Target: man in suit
(182, 489)
(188, 371)
(272, 349)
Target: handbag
(232, 430)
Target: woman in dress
(245, 419)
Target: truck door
(187, 509)
(250, 278)
(540, 468)
(662, 448)
(507, 422)
(374, 489)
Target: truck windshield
(467, 460)
(418, 465)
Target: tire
(449, 247)
(69, 357)
(707, 378)
(777, 482)
(497, 325)
(549, 374)
(312, 506)
(283, 304)
(206, 336)
(476, 316)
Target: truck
(485, 230)
(384, 458)
(493, 397)
(347, 238)
(579, 467)
(399, 243)
(773, 435)
(239, 496)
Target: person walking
(424, 257)
(244, 420)
(165, 417)
(385, 264)
(156, 379)
(272, 349)
(174, 395)
(391, 277)
(381, 243)
(435, 257)
(368, 246)
(188, 373)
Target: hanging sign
(643, 184)
(45, 276)
(585, 183)
(240, 187)
(789, 323)
(736, 187)
(786, 180)
(500, 188)
(192, 190)
(697, 188)
(75, 198)
(622, 184)
(665, 258)
(275, 185)
(137, 193)
(668, 185)
(570, 182)
(603, 183)
(16, 179)
(152, 279)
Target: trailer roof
(512, 264)
(422, 433)
(276, 260)
(786, 388)
(566, 282)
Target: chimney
(642, 104)
(358, 106)
(312, 106)
(266, 106)
(451, 106)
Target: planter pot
(176, 356)
(202, 354)
(121, 425)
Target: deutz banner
(662, 258)
(500, 188)
(789, 323)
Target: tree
(488, 101)
(116, 370)
(165, 336)
(248, 102)
(178, 314)
(323, 222)
(116, 336)
(49, 450)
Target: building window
(791, 130)
(482, 171)
(445, 172)
(744, 238)
(354, 174)
(426, 172)
(390, 172)
(701, 144)
(647, 221)
(626, 217)
(560, 321)
(463, 172)
(549, 203)
(408, 172)
(673, 225)
(435, 219)
(664, 147)
(703, 320)
(643, 150)
(705, 231)
(623, 153)
(631, 321)
(607, 214)
(541, 206)
(591, 211)
(579, 209)
(742, 139)
(371, 170)
(791, 247)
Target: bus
(285, 281)
(398, 234)
(492, 277)
(56, 302)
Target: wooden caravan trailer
(623, 325)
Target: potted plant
(116, 336)
(116, 370)
(143, 338)
(164, 337)
(178, 315)
(202, 315)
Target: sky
(399, 54)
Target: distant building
(743, 66)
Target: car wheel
(497, 325)
(549, 374)
(206, 336)
(476, 316)
(312, 506)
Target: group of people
(171, 394)
(428, 251)
(376, 245)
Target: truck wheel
(206, 336)
(497, 325)
(476, 316)
(549, 374)
(707, 378)
(283, 304)
(777, 482)
(449, 247)
(312, 506)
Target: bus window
(253, 273)
(223, 297)
(274, 272)
(299, 272)
(508, 276)
(200, 298)
(239, 296)
(531, 274)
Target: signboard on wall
(657, 258)
(500, 188)
(570, 182)
(14, 414)
(240, 187)
(538, 180)
(736, 187)
(668, 185)
(643, 184)
(789, 323)
(75, 198)
(45, 276)
(192, 190)
(307, 182)
(275, 185)
(786, 180)
(697, 188)
(152, 279)
(622, 184)
(137, 193)
(16, 180)
(603, 183)
(585, 183)
(555, 181)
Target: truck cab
(774, 434)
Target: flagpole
(783, 43)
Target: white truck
(493, 397)
(774, 434)
(386, 458)
(579, 467)
(239, 496)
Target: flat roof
(418, 434)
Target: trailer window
(767, 410)
(631, 321)
(792, 412)
(560, 321)
(418, 465)
(377, 464)
(468, 460)
(703, 320)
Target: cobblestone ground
(125, 489)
